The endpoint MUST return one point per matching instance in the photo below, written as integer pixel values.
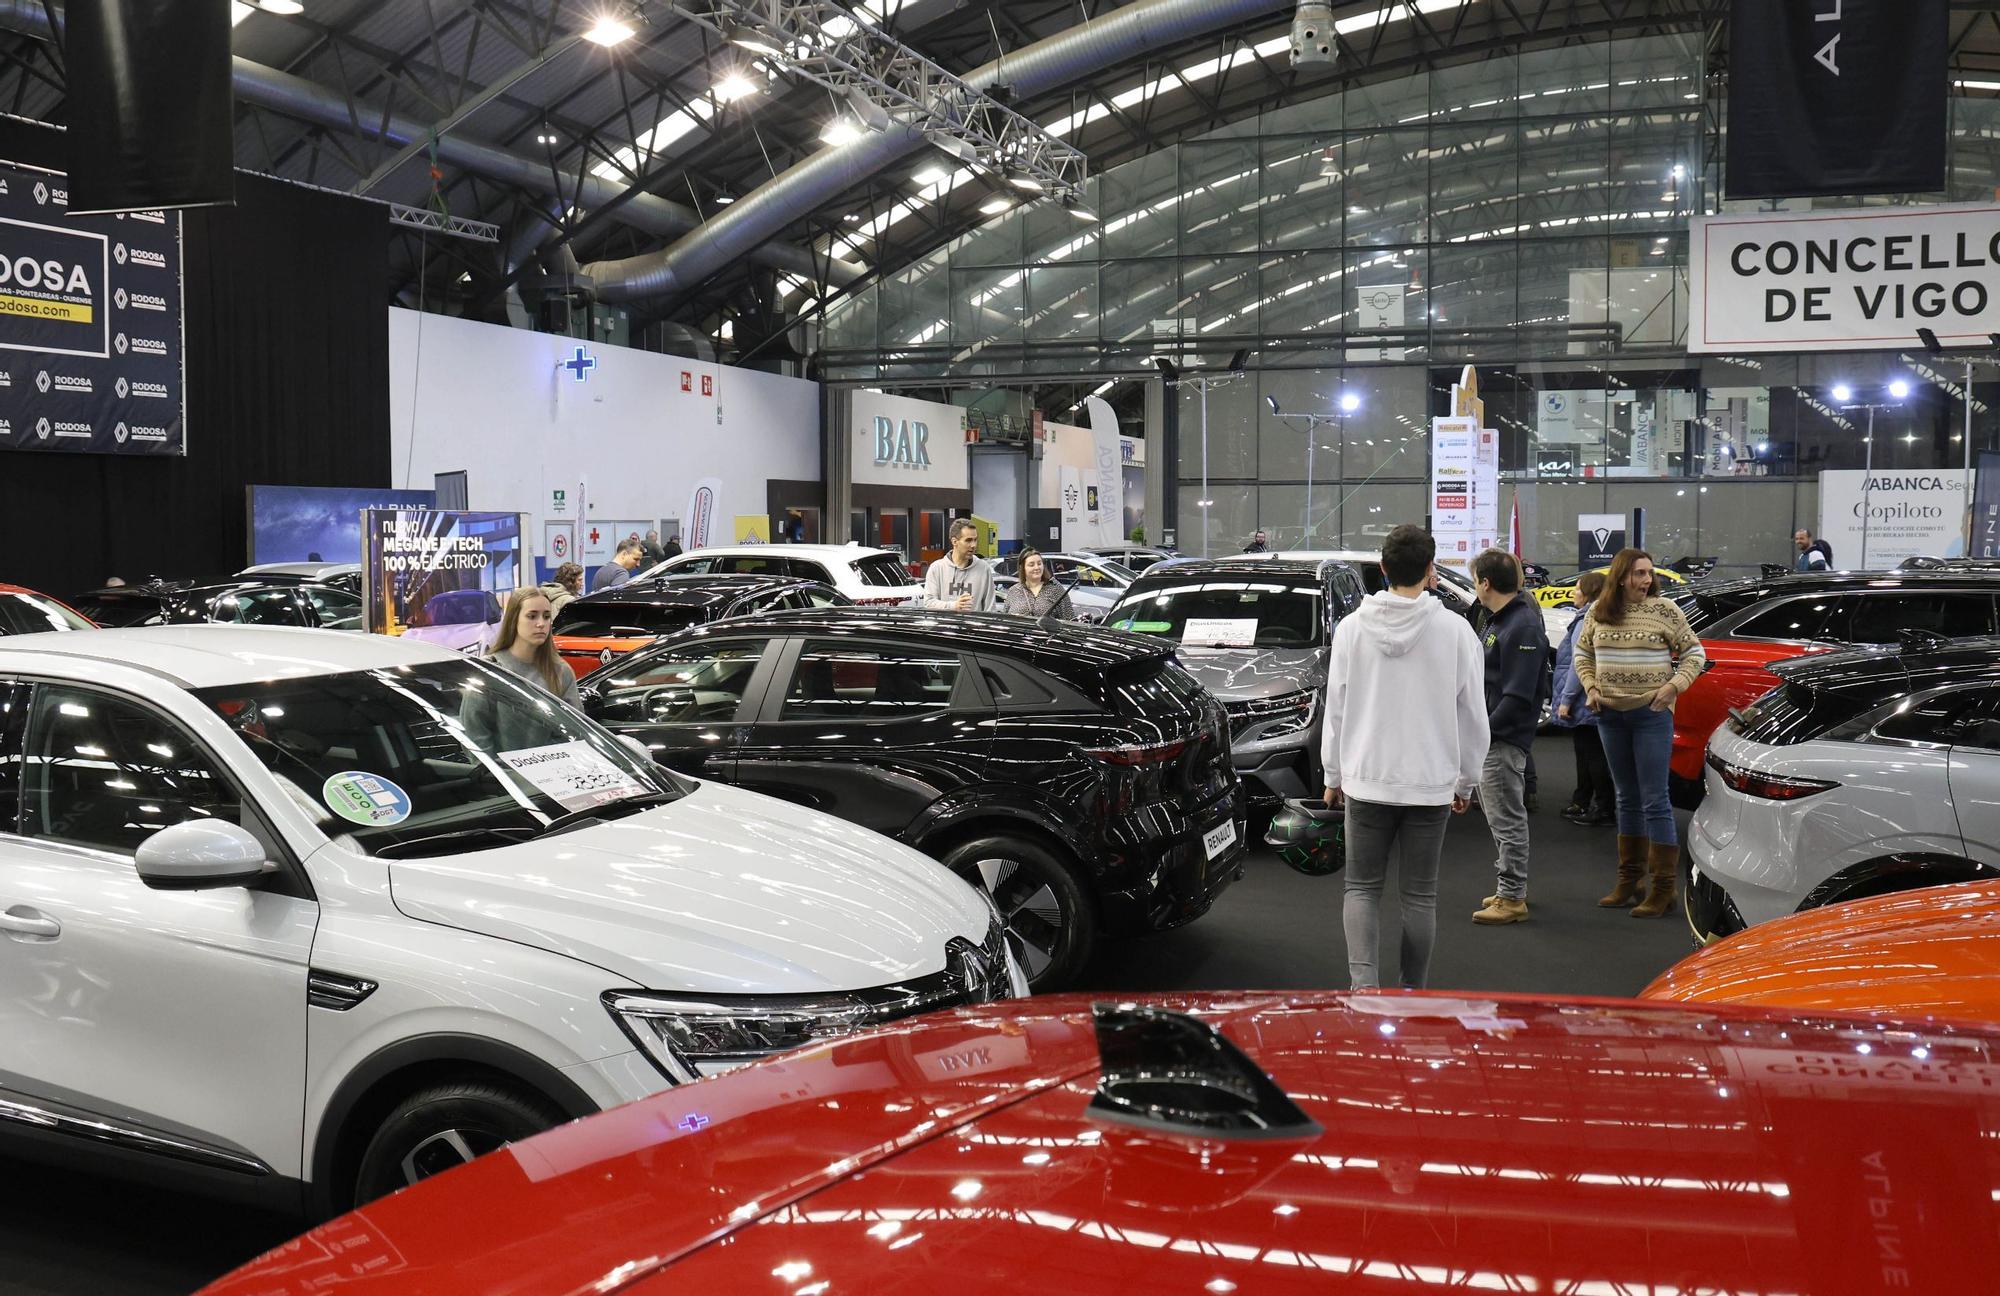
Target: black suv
(1079, 776)
(1257, 633)
(232, 602)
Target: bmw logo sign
(1555, 402)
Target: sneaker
(1598, 819)
(1500, 909)
(1573, 812)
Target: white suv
(871, 577)
(308, 916)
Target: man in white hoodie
(1404, 741)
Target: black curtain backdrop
(287, 382)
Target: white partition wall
(638, 435)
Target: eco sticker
(1145, 627)
(367, 799)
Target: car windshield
(410, 752)
(1225, 612)
(627, 620)
(29, 613)
(113, 609)
(882, 569)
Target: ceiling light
(750, 38)
(607, 32)
(1078, 210)
(956, 145)
(545, 139)
(929, 176)
(724, 197)
(1021, 180)
(995, 205)
(1899, 389)
(869, 113)
(733, 87)
(852, 218)
(841, 130)
(1842, 392)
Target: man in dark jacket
(1517, 671)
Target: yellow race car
(1559, 593)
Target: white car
(342, 575)
(1864, 772)
(870, 577)
(309, 916)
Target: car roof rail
(1174, 1074)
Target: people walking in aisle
(1035, 595)
(1814, 555)
(563, 587)
(1592, 803)
(1634, 656)
(619, 570)
(1403, 738)
(1478, 615)
(960, 581)
(654, 552)
(1516, 674)
(1257, 544)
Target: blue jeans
(1637, 745)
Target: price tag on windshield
(1220, 632)
(572, 775)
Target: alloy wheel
(1029, 908)
(447, 1150)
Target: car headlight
(690, 1036)
(1286, 714)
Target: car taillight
(1771, 787)
(1137, 753)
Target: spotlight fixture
(744, 36)
(1078, 210)
(1312, 34)
(1167, 369)
(869, 113)
(1272, 401)
(1842, 392)
(1349, 402)
(723, 197)
(1021, 180)
(1930, 340)
(841, 130)
(1900, 389)
(956, 146)
(608, 31)
(1237, 361)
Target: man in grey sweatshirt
(959, 581)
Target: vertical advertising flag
(1983, 539)
(1834, 97)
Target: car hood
(1249, 674)
(1490, 1142)
(721, 892)
(1934, 951)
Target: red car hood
(1489, 1143)
(1934, 951)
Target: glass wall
(1527, 215)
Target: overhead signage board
(90, 324)
(898, 441)
(1843, 280)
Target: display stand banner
(1908, 514)
(1465, 477)
(1836, 97)
(318, 523)
(90, 324)
(1983, 533)
(440, 577)
(1599, 537)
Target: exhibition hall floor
(1275, 929)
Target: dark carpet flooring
(67, 1234)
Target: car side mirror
(201, 854)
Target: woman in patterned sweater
(1634, 656)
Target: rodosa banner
(90, 324)
(1854, 280)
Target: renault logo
(41, 380)
(604, 658)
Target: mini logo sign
(904, 443)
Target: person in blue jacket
(1594, 798)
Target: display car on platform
(1080, 777)
(1258, 1143)
(599, 628)
(1256, 631)
(1931, 952)
(870, 577)
(1864, 772)
(302, 918)
(24, 611)
(1747, 625)
(284, 603)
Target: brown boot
(1662, 862)
(1631, 866)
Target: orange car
(598, 629)
(1934, 951)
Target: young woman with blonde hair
(525, 648)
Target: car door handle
(23, 921)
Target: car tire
(443, 1126)
(1051, 922)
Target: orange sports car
(1934, 951)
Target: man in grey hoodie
(1405, 736)
(960, 581)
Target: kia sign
(90, 324)
(896, 441)
(1849, 280)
